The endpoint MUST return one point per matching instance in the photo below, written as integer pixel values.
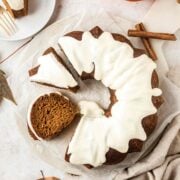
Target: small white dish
(40, 11)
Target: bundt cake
(105, 136)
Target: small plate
(40, 11)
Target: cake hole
(92, 90)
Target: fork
(7, 22)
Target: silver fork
(7, 23)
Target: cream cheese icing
(130, 77)
(16, 4)
(51, 71)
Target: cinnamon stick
(146, 43)
(178, 1)
(154, 35)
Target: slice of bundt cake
(52, 71)
(16, 8)
(49, 114)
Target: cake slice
(17, 8)
(49, 114)
(53, 72)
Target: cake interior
(50, 114)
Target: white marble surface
(16, 160)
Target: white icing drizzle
(131, 77)
(16, 4)
(51, 71)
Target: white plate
(40, 11)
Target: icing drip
(51, 71)
(16, 4)
(130, 77)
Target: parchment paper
(25, 92)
